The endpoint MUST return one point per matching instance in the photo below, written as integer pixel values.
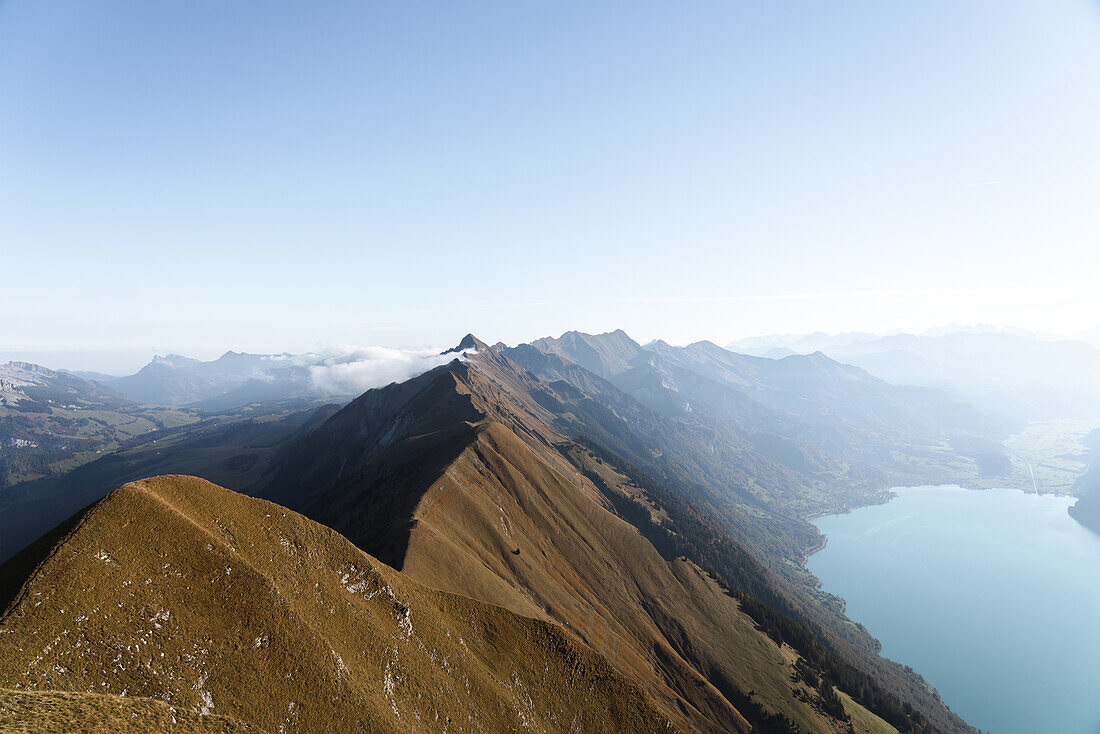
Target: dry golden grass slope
(63, 712)
(496, 512)
(665, 624)
(213, 603)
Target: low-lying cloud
(352, 370)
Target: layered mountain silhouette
(1011, 375)
(763, 443)
(238, 379)
(814, 398)
(645, 505)
(485, 490)
(234, 379)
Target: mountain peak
(469, 343)
(604, 354)
(706, 345)
(173, 360)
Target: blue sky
(276, 176)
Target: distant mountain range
(31, 388)
(51, 422)
(232, 380)
(1010, 375)
(237, 379)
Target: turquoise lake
(993, 596)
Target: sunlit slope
(509, 526)
(64, 712)
(176, 589)
(456, 478)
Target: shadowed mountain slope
(713, 463)
(764, 443)
(810, 412)
(212, 602)
(1087, 511)
(364, 470)
(1087, 508)
(230, 450)
(495, 503)
(815, 384)
(721, 480)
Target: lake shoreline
(932, 574)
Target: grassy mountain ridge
(67, 712)
(213, 602)
(230, 449)
(511, 520)
(547, 489)
(835, 648)
(704, 467)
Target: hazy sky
(195, 176)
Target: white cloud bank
(352, 370)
